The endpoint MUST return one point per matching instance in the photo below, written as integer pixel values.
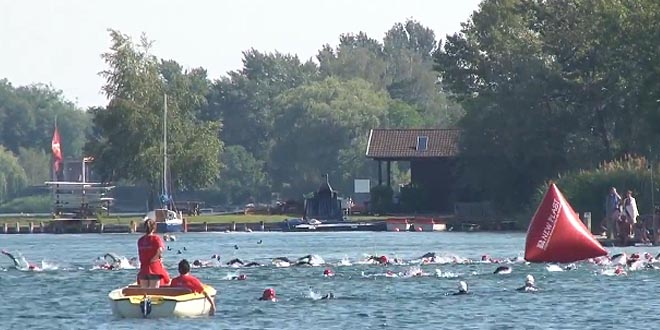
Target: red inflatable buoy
(556, 233)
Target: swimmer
(529, 285)
(216, 257)
(462, 289)
(502, 270)
(269, 295)
(260, 241)
(619, 271)
(281, 262)
(240, 277)
(328, 273)
(20, 264)
(235, 263)
(328, 296)
(252, 264)
(235, 246)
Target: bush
(381, 199)
(585, 190)
(28, 204)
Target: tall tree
(12, 175)
(323, 128)
(244, 99)
(549, 86)
(28, 115)
(128, 132)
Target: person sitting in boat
(152, 273)
(269, 295)
(187, 280)
(529, 285)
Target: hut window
(422, 143)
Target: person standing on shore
(631, 213)
(150, 250)
(612, 212)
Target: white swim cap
(462, 286)
(529, 279)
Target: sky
(60, 42)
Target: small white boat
(135, 302)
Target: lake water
(69, 295)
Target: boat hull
(164, 227)
(159, 305)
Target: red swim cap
(328, 272)
(268, 294)
(242, 277)
(382, 259)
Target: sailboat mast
(165, 193)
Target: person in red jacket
(152, 273)
(186, 280)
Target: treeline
(550, 87)
(27, 120)
(275, 125)
(538, 87)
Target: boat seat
(162, 291)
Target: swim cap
(268, 294)
(484, 257)
(242, 277)
(529, 279)
(462, 286)
(328, 272)
(382, 259)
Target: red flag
(57, 150)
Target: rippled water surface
(69, 295)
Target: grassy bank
(223, 219)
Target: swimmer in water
(328, 273)
(240, 277)
(20, 264)
(462, 289)
(529, 285)
(328, 296)
(269, 295)
(502, 270)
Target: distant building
(432, 155)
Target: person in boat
(187, 280)
(462, 289)
(268, 295)
(529, 286)
(150, 251)
(20, 263)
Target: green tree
(36, 164)
(323, 128)
(243, 100)
(12, 176)
(244, 177)
(28, 115)
(128, 132)
(549, 86)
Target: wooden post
(18, 227)
(233, 226)
(262, 225)
(31, 229)
(101, 228)
(185, 225)
(5, 228)
(41, 227)
(206, 226)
